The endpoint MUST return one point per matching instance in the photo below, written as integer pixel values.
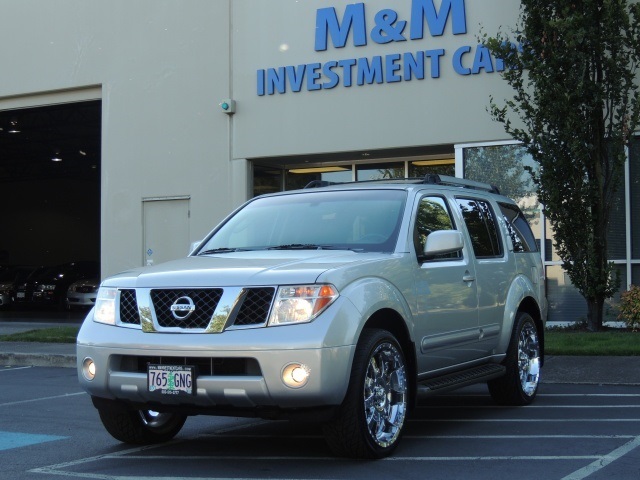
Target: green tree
(573, 67)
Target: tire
(371, 419)
(520, 383)
(140, 427)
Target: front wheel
(520, 383)
(141, 427)
(371, 418)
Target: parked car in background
(83, 293)
(22, 287)
(6, 286)
(49, 286)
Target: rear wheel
(141, 427)
(520, 383)
(371, 418)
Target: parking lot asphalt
(588, 370)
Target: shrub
(630, 307)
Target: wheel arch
(530, 306)
(391, 321)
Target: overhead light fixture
(318, 170)
(434, 163)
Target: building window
(502, 164)
(380, 171)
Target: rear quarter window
(482, 226)
(518, 228)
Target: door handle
(468, 277)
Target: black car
(49, 286)
(22, 291)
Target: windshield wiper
(298, 246)
(219, 250)
(312, 246)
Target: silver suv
(339, 304)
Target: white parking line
(602, 462)
(525, 420)
(20, 402)
(9, 368)
(528, 407)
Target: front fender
(370, 295)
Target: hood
(255, 268)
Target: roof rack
(435, 179)
(431, 179)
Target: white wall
(448, 109)
(162, 67)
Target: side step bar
(461, 379)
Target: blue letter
(437, 20)
(260, 82)
(482, 60)
(457, 61)
(370, 73)
(391, 67)
(347, 66)
(435, 55)
(313, 76)
(333, 77)
(295, 75)
(276, 80)
(327, 25)
(413, 65)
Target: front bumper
(239, 369)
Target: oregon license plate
(171, 379)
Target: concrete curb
(11, 359)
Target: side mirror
(441, 242)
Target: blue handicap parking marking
(9, 440)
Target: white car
(82, 294)
(336, 303)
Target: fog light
(88, 369)
(295, 375)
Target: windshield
(365, 221)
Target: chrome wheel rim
(385, 394)
(153, 419)
(529, 359)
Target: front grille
(255, 306)
(129, 307)
(204, 301)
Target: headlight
(105, 308)
(302, 303)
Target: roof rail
(435, 179)
(319, 183)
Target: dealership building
(129, 129)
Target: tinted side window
(482, 226)
(432, 215)
(519, 229)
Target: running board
(461, 379)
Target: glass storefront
(278, 178)
(503, 165)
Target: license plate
(171, 379)
(20, 294)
